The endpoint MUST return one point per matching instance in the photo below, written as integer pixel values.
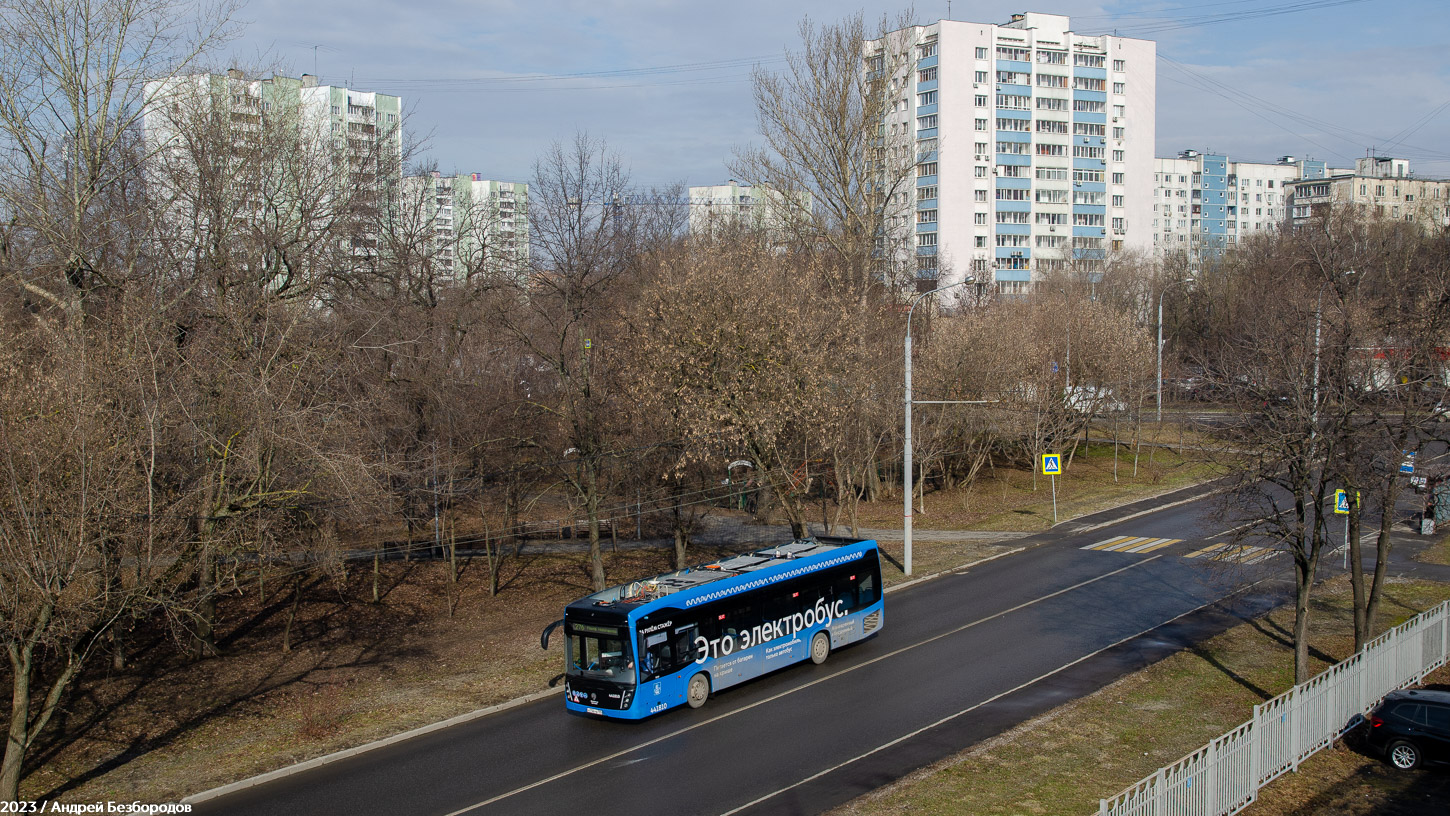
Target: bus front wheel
(820, 648)
(698, 691)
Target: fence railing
(1224, 776)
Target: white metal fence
(1224, 776)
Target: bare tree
(840, 172)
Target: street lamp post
(906, 456)
(1160, 343)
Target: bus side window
(867, 593)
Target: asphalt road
(962, 657)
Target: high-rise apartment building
(1034, 146)
(1203, 203)
(478, 225)
(290, 148)
(735, 204)
(1379, 187)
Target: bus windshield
(599, 653)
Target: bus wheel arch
(820, 647)
(698, 690)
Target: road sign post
(1052, 466)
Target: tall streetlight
(906, 464)
(1160, 341)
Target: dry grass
(1018, 500)
(1064, 761)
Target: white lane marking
(617, 754)
(976, 706)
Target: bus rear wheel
(698, 691)
(820, 648)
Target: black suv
(1410, 728)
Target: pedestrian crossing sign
(1341, 502)
(1051, 464)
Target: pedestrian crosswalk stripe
(1132, 544)
(1237, 553)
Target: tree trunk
(1356, 572)
(18, 740)
(1303, 583)
(591, 509)
(204, 639)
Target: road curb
(347, 753)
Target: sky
(488, 85)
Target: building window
(1050, 126)
(1117, 133)
(1118, 110)
(1118, 178)
(1087, 60)
(1013, 240)
(927, 98)
(1004, 194)
(1019, 125)
(1084, 152)
(1011, 101)
(1006, 52)
(1087, 175)
(1088, 106)
(981, 100)
(1118, 155)
(1120, 65)
(1049, 103)
(1051, 81)
(926, 216)
(926, 239)
(1013, 148)
(926, 50)
(1088, 84)
(926, 122)
(980, 242)
(1014, 78)
(980, 171)
(1007, 218)
(981, 53)
(1117, 201)
(979, 195)
(981, 147)
(926, 169)
(926, 193)
(1092, 199)
(981, 124)
(1051, 150)
(980, 218)
(1048, 196)
(1052, 57)
(1052, 173)
(1120, 87)
(1120, 224)
(1052, 219)
(926, 75)
(980, 76)
(1087, 219)
(1089, 129)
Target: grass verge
(1066, 760)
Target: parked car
(1410, 728)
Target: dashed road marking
(1235, 553)
(1132, 544)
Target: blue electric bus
(638, 649)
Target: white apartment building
(1203, 203)
(1034, 146)
(736, 204)
(478, 225)
(355, 136)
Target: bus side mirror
(548, 630)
